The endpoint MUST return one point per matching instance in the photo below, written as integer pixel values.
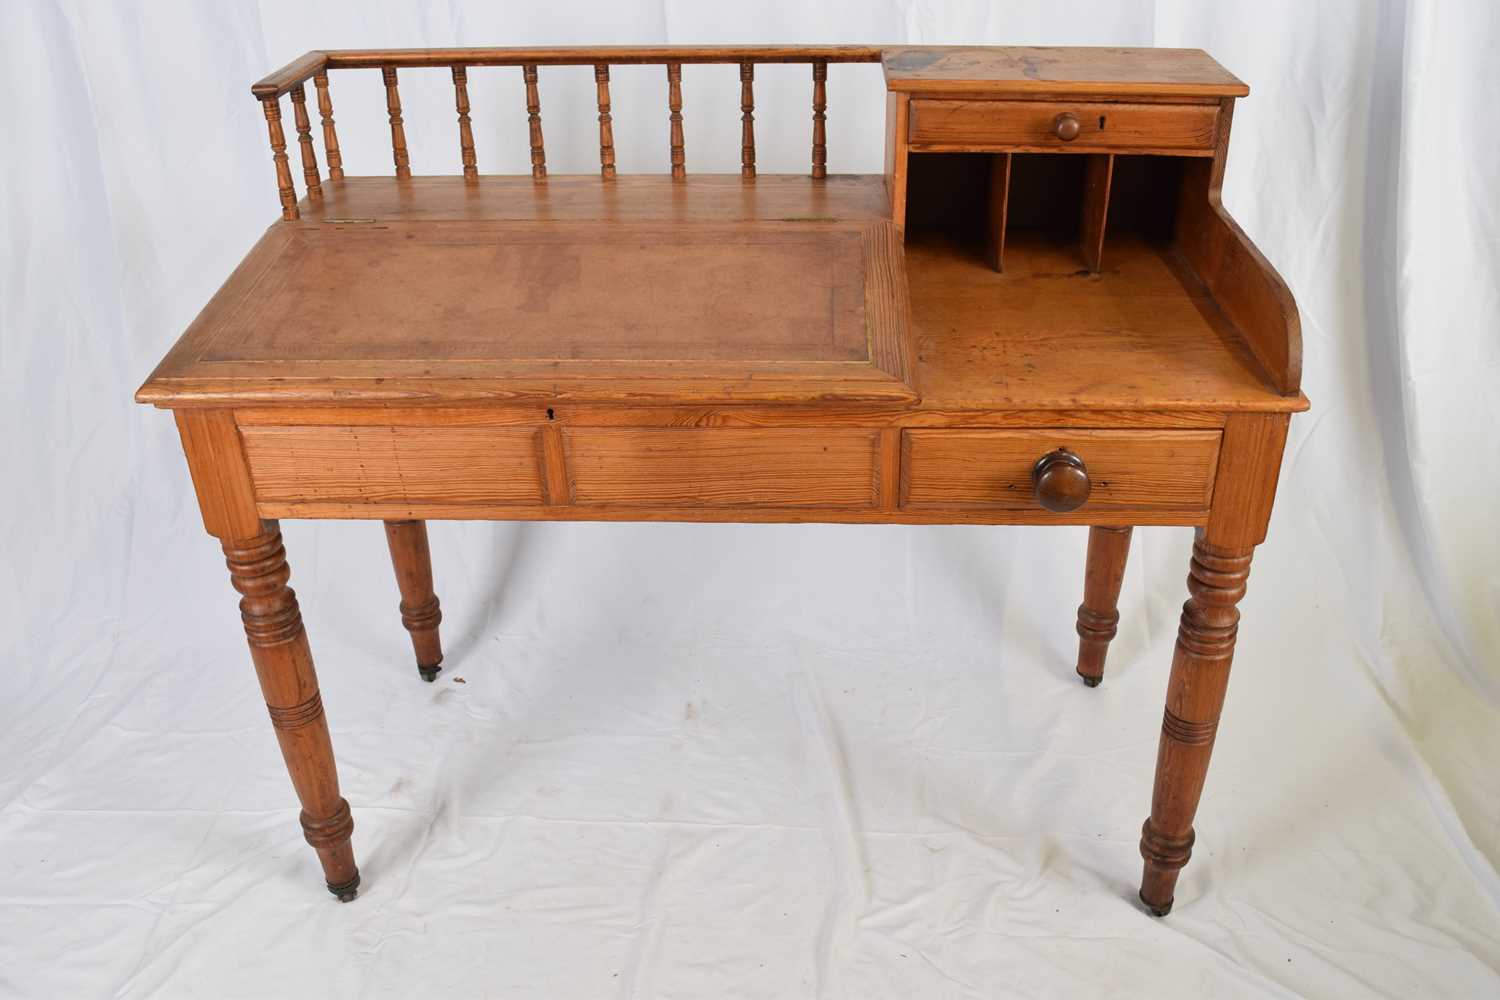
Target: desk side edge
(1244, 284)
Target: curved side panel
(1246, 287)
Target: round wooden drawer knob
(1065, 127)
(1060, 481)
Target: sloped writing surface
(751, 310)
(562, 293)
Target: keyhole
(1101, 123)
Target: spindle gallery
(1039, 313)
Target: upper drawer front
(1164, 471)
(1033, 125)
(454, 465)
(722, 467)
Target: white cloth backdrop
(734, 761)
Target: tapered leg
(1098, 615)
(1195, 696)
(420, 612)
(283, 662)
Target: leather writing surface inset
(576, 310)
(555, 292)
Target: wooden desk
(1039, 314)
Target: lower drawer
(372, 465)
(1165, 471)
(722, 467)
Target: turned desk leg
(1195, 697)
(1244, 490)
(420, 612)
(283, 662)
(1098, 615)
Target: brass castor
(1157, 911)
(347, 891)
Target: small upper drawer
(1183, 129)
(1166, 471)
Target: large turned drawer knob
(1060, 481)
(1065, 126)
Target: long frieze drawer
(721, 467)
(383, 464)
(1126, 470)
(1046, 125)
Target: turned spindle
(272, 108)
(465, 130)
(534, 122)
(606, 122)
(284, 665)
(1195, 697)
(820, 106)
(398, 128)
(330, 135)
(674, 105)
(747, 119)
(1099, 615)
(305, 143)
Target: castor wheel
(346, 891)
(1157, 911)
(429, 674)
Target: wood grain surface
(675, 467)
(1118, 72)
(1046, 334)
(582, 198)
(374, 464)
(560, 310)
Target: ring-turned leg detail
(420, 612)
(1098, 615)
(283, 663)
(1195, 697)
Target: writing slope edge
(758, 311)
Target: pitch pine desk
(1039, 314)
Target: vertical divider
(1098, 173)
(999, 205)
(896, 115)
